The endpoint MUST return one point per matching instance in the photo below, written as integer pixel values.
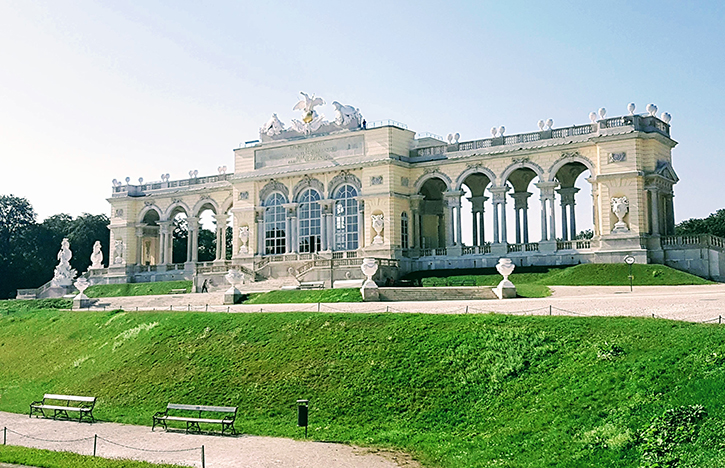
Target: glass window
(346, 218)
(274, 225)
(404, 230)
(310, 217)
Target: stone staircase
(437, 293)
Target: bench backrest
(85, 399)
(211, 409)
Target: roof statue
(273, 127)
(312, 123)
(347, 116)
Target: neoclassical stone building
(313, 199)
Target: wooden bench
(62, 404)
(178, 291)
(313, 285)
(180, 413)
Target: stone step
(437, 293)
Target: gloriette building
(313, 199)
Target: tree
(181, 240)
(713, 224)
(16, 215)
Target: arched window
(404, 230)
(346, 218)
(274, 225)
(310, 221)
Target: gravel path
(693, 303)
(220, 452)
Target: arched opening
(473, 202)
(576, 218)
(310, 221)
(275, 229)
(433, 214)
(149, 243)
(346, 218)
(518, 187)
(205, 235)
(180, 236)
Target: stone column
(499, 214)
(193, 247)
(415, 202)
(477, 208)
(452, 209)
(362, 240)
(327, 207)
(221, 244)
(165, 242)
(139, 244)
(567, 195)
(654, 200)
(548, 233)
(259, 219)
(521, 208)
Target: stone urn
(378, 225)
(81, 300)
(369, 289)
(620, 206)
(244, 239)
(235, 278)
(505, 288)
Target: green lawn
(453, 390)
(297, 296)
(49, 459)
(137, 289)
(591, 274)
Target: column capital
(291, 209)
(477, 203)
(415, 201)
(192, 222)
(567, 195)
(547, 189)
(499, 193)
(521, 199)
(453, 197)
(221, 218)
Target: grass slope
(49, 459)
(454, 390)
(303, 296)
(590, 274)
(137, 289)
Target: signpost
(629, 260)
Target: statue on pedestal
(378, 225)
(97, 256)
(64, 274)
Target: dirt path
(138, 442)
(692, 303)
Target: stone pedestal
(548, 246)
(370, 292)
(232, 296)
(505, 292)
(81, 301)
(499, 249)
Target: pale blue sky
(91, 91)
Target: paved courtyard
(691, 303)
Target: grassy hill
(454, 390)
(589, 274)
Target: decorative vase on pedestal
(505, 288)
(235, 278)
(378, 225)
(369, 289)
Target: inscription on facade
(244, 195)
(310, 152)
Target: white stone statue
(311, 122)
(272, 127)
(244, 239)
(118, 252)
(64, 274)
(378, 225)
(620, 206)
(347, 116)
(96, 256)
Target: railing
(583, 244)
(426, 252)
(159, 185)
(644, 123)
(441, 252)
(418, 136)
(564, 245)
(701, 240)
(386, 123)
